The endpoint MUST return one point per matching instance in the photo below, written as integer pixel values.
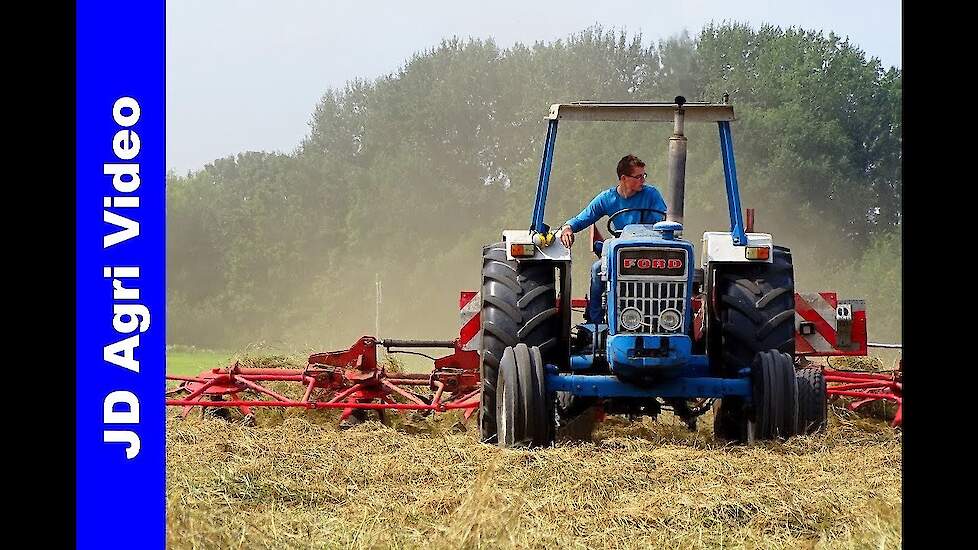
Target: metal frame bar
(637, 111)
(649, 112)
(733, 189)
(539, 205)
(232, 383)
(594, 385)
(440, 407)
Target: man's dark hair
(626, 163)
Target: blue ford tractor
(674, 335)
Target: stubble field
(297, 481)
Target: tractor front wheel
(524, 415)
(773, 413)
(775, 396)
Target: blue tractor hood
(635, 354)
(661, 230)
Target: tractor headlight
(631, 318)
(670, 319)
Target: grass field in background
(190, 362)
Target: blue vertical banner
(120, 274)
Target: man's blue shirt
(609, 201)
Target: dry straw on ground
(297, 481)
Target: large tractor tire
(755, 309)
(753, 312)
(775, 396)
(519, 306)
(523, 408)
(813, 401)
(774, 412)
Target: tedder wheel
(754, 313)
(519, 305)
(522, 403)
(813, 401)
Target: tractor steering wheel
(617, 233)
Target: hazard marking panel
(470, 327)
(825, 326)
(817, 323)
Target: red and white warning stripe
(469, 333)
(816, 310)
(817, 324)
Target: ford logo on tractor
(652, 262)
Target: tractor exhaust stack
(677, 164)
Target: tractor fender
(718, 246)
(555, 251)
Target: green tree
(408, 175)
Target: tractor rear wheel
(519, 305)
(813, 403)
(753, 312)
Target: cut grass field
(298, 481)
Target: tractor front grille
(651, 298)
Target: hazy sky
(246, 75)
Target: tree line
(405, 177)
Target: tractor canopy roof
(594, 111)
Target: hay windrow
(298, 481)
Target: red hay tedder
(868, 387)
(350, 379)
(353, 380)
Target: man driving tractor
(632, 193)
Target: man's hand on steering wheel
(616, 232)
